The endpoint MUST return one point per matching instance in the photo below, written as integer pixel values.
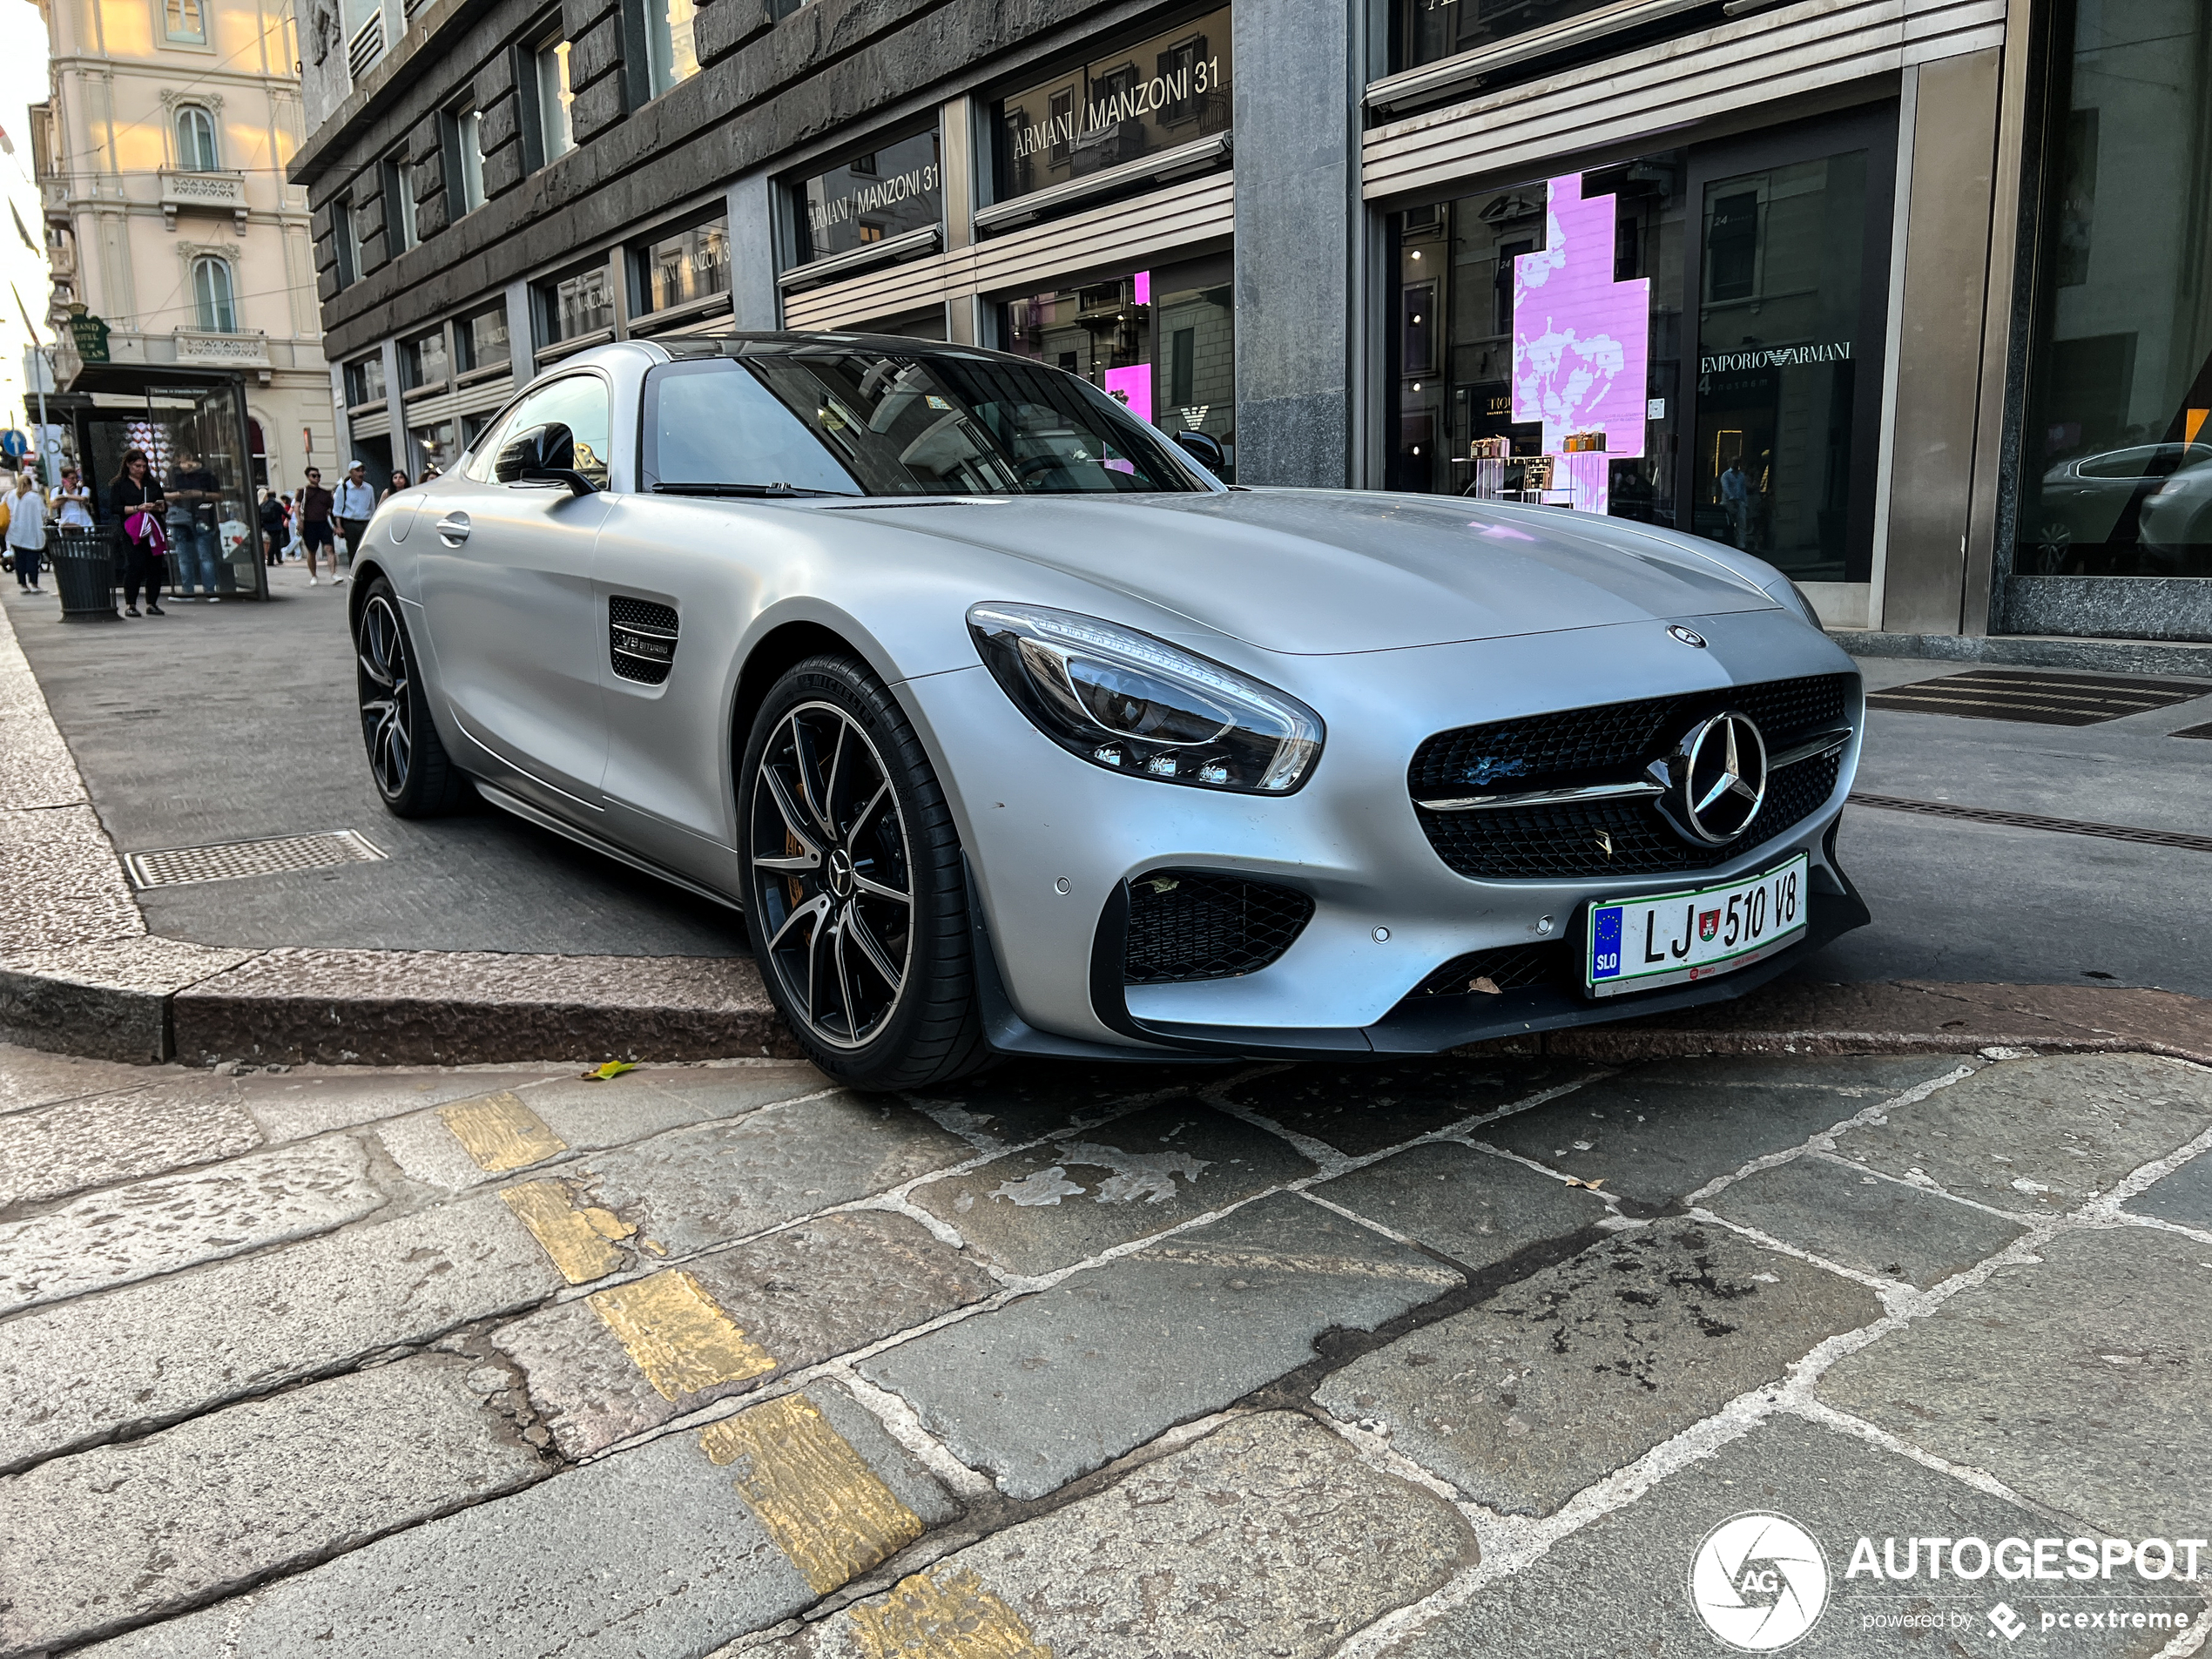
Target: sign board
(14, 445)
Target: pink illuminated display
(1133, 386)
(1582, 342)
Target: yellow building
(160, 155)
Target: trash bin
(83, 563)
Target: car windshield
(872, 422)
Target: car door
(506, 585)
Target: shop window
(480, 341)
(1161, 341)
(422, 360)
(365, 381)
(258, 451)
(896, 187)
(2115, 459)
(196, 139)
(575, 305)
(215, 309)
(1427, 31)
(1168, 89)
(431, 449)
(679, 269)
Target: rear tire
(856, 898)
(407, 762)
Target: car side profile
(1011, 729)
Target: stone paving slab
(2042, 1135)
(136, 1231)
(1622, 1584)
(50, 1151)
(2184, 1196)
(2078, 1380)
(1477, 1208)
(693, 1187)
(35, 767)
(33, 1077)
(1186, 1326)
(1268, 1537)
(1056, 1204)
(1659, 1132)
(290, 1105)
(153, 1353)
(651, 1553)
(572, 1116)
(119, 1535)
(1885, 1228)
(799, 1296)
(1581, 1369)
(1023, 1100)
(1358, 1109)
(65, 882)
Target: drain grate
(177, 867)
(2194, 732)
(2030, 820)
(2038, 697)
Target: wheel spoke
(815, 907)
(864, 936)
(836, 777)
(788, 810)
(845, 984)
(877, 890)
(807, 764)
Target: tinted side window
(578, 402)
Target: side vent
(641, 639)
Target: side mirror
(542, 454)
(1203, 448)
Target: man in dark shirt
(193, 492)
(316, 506)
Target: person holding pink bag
(137, 497)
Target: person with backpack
(137, 499)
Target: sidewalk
(484, 939)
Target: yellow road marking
(500, 1132)
(579, 1241)
(680, 1339)
(951, 1616)
(813, 1493)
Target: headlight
(1130, 703)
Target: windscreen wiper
(745, 490)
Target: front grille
(1186, 925)
(1511, 967)
(641, 639)
(1611, 744)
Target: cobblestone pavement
(1460, 1357)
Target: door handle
(453, 528)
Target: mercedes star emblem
(1687, 636)
(1715, 779)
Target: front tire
(407, 762)
(856, 899)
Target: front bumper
(1052, 842)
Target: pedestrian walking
(398, 481)
(26, 531)
(193, 496)
(137, 499)
(316, 506)
(356, 505)
(272, 518)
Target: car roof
(793, 342)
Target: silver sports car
(1011, 729)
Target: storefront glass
(1162, 341)
(480, 341)
(422, 360)
(1161, 91)
(678, 269)
(1544, 350)
(895, 188)
(433, 449)
(2116, 448)
(1423, 32)
(580, 303)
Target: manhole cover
(176, 867)
(2038, 697)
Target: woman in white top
(26, 531)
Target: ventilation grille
(181, 866)
(1511, 969)
(2037, 697)
(641, 639)
(1185, 925)
(1612, 743)
(366, 47)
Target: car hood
(1326, 571)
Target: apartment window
(398, 206)
(480, 341)
(549, 66)
(183, 20)
(213, 304)
(670, 56)
(365, 381)
(678, 269)
(195, 139)
(464, 145)
(345, 241)
(422, 360)
(571, 306)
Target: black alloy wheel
(407, 762)
(857, 897)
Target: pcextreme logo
(1759, 1582)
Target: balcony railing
(206, 347)
(203, 192)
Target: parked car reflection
(2176, 520)
(2092, 507)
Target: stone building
(1909, 296)
(183, 273)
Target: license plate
(1674, 938)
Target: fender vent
(1186, 925)
(641, 639)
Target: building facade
(1908, 296)
(182, 270)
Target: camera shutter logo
(1759, 1582)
